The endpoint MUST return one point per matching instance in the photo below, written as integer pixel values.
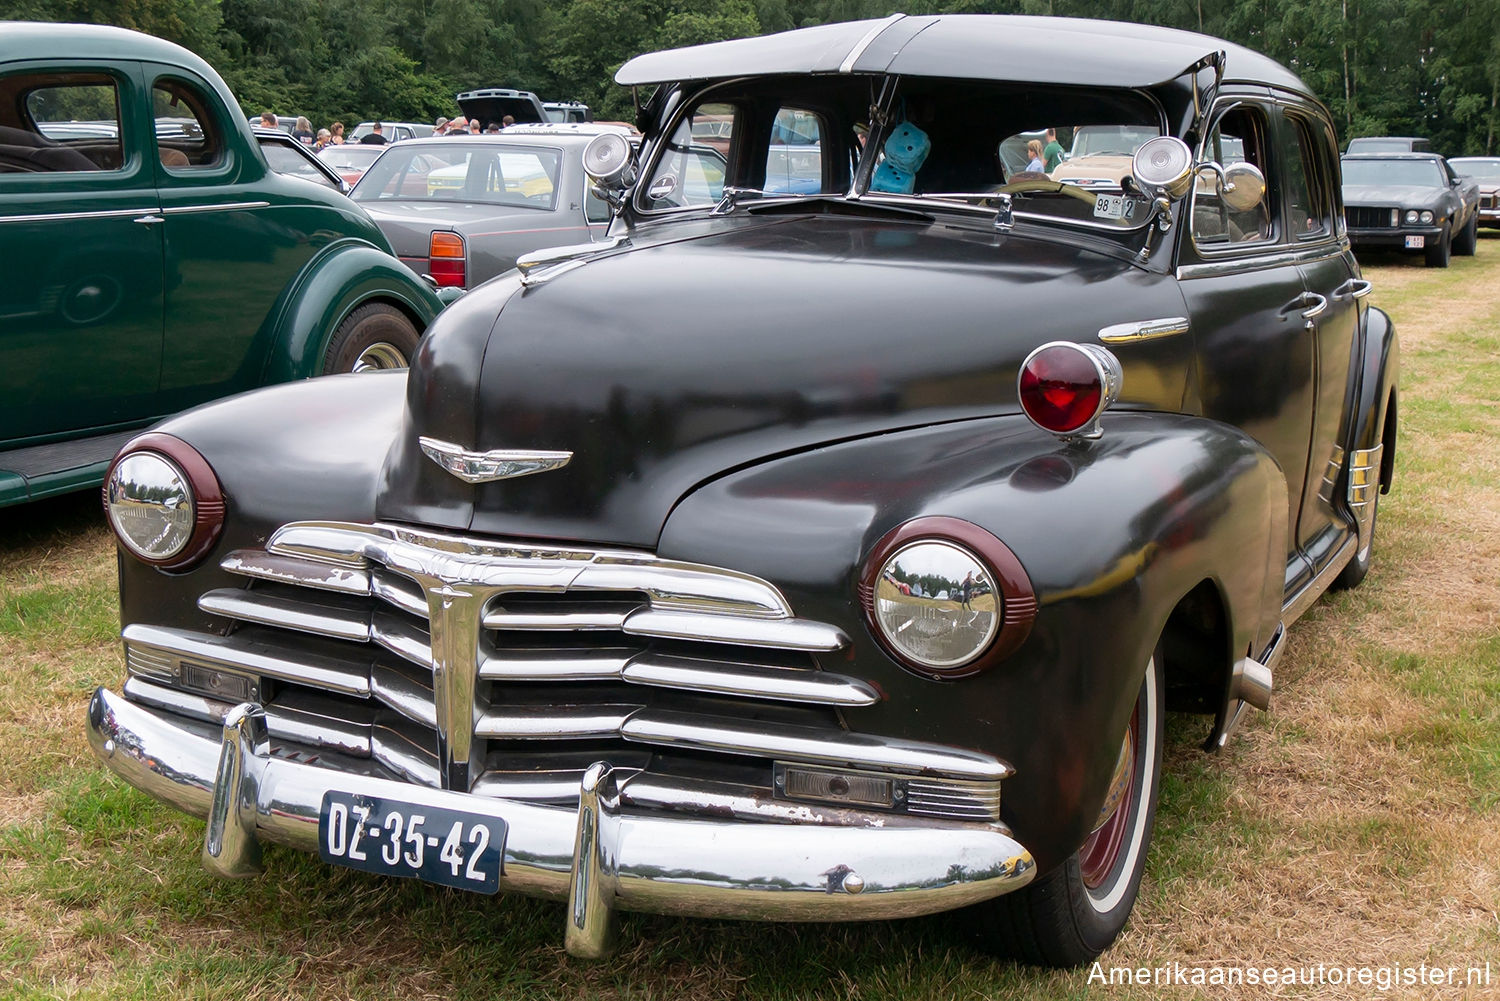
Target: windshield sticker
(1115, 207)
(663, 186)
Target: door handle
(1354, 288)
(1316, 305)
(149, 219)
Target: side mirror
(1242, 186)
(610, 164)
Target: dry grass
(1356, 824)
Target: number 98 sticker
(394, 838)
(1114, 207)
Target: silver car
(462, 209)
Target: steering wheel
(1039, 186)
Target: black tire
(1357, 568)
(375, 336)
(1438, 253)
(1467, 241)
(1068, 916)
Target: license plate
(1113, 207)
(395, 838)
(1416, 242)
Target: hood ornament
(486, 467)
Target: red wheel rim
(1100, 853)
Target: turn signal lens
(1064, 387)
(445, 258)
(164, 502)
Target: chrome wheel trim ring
(1112, 891)
(380, 356)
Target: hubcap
(379, 356)
(1097, 857)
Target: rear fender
(1375, 396)
(1112, 534)
(342, 277)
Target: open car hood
(493, 103)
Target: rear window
(521, 176)
(1415, 173)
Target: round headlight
(1411, 216)
(163, 501)
(1427, 217)
(936, 603)
(946, 598)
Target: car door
(1334, 287)
(81, 303)
(229, 251)
(1245, 295)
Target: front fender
(1112, 533)
(343, 276)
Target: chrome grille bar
(553, 722)
(785, 684)
(236, 654)
(291, 570)
(287, 613)
(777, 634)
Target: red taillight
(1064, 386)
(445, 253)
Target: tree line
(1384, 67)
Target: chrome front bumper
(598, 857)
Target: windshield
(1412, 173)
(467, 171)
(955, 144)
(1480, 168)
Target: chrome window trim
(847, 66)
(65, 216)
(1260, 262)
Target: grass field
(1358, 824)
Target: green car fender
(342, 277)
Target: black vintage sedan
(1412, 202)
(809, 554)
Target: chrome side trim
(226, 207)
(1144, 330)
(816, 746)
(656, 862)
(1364, 488)
(76, 216)
(1293, 607)
(847, 66)
(1259, 262)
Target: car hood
(409, 224)
(663, 366)
(1404, 195)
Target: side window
(68, 123)
(1308, 204)
(794, 161)
(1238, 135)
(693, 165)
(186, 138)
(595, 209)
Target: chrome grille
(506, 669)
(1367, 217)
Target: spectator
(268, 120)
(325, 138)
(1052, 153)
(337, 131)
(494, 128)
(1034, 151)
(440, 126)
(507, 122)
(302, 131)
(458, 127)
(473, 126)
(377, 136)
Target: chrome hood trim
(497, 464)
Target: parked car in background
(393, 131)
(1389, 144)
(284, 123)
(1484, 171)
(1411, 202)
(604, 600)
(154, 261)
(350, 160)
(286, 155)
(491, 105)
(1101, 154)
(567, 111)
(463, 209)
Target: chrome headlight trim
(163, 501)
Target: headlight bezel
(204, 493)
(1008, 578)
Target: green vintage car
(150, 260)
